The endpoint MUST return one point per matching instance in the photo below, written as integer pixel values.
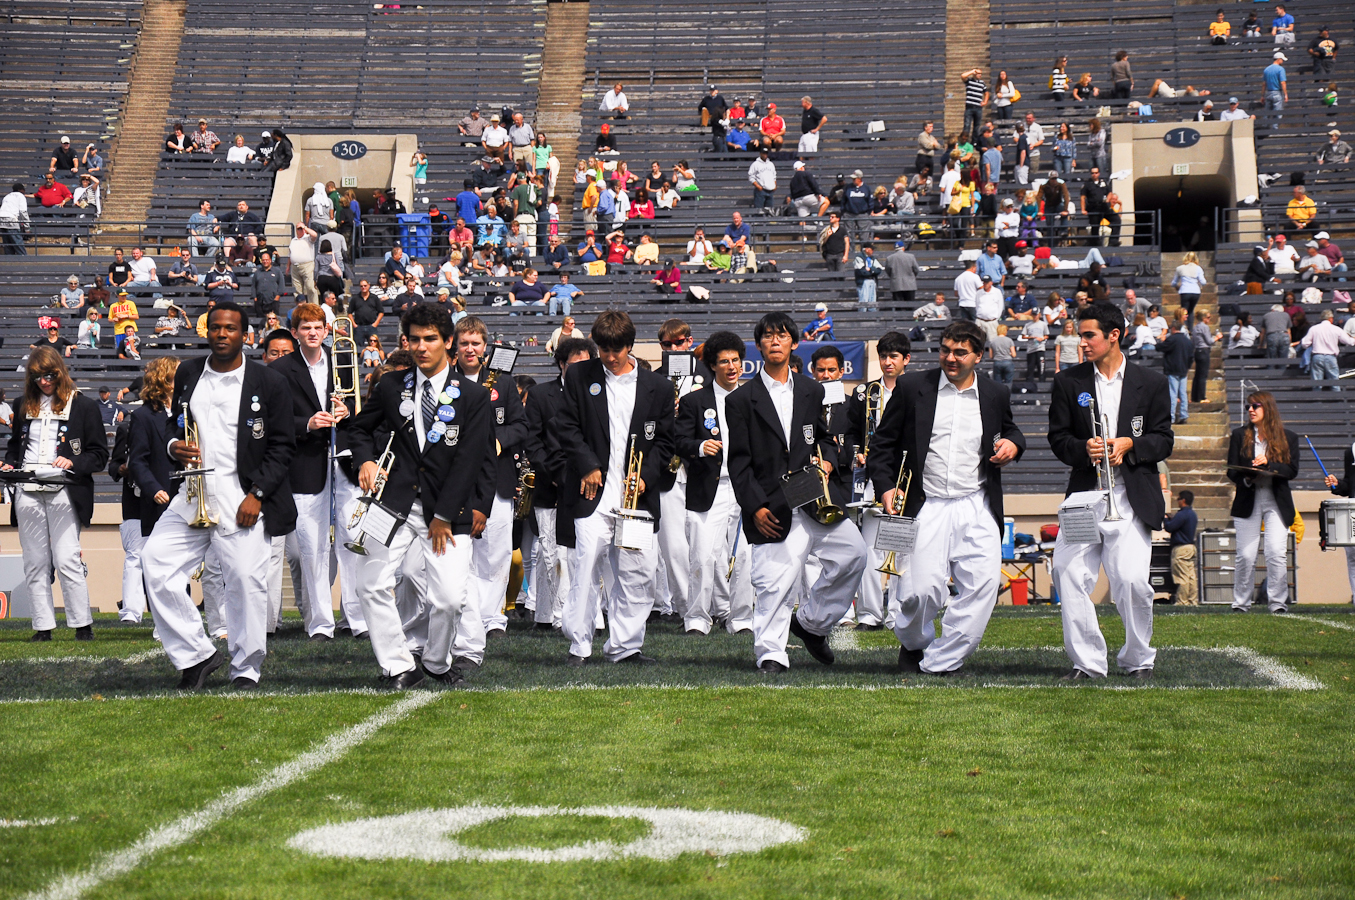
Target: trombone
(1105, 472)
(346, 362)
(195, 480)
(383, 466)
(902, 484)
(825, 511)
(875, 394)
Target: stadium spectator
(123, 314)
(1335, 258)
(14, 220)
(472, 126)
(529, 291)
(1121, 77)
(646, 251)
(462, 238)
(52, 193)
(772, 128)
(1283, 258)
(204, 140)
(1301, 209)
(240, 228)
(1276, 85)
(203, 230)
(178, 142)
(719, 258)
(1234, 113)
(562, 296)
(834, 244)
(605, 143)
(92, 161)
(1202, 338)
(239, 154)
(183, 273)
(281, 157)
(1324, 340)
(301, 262)
(130, 346)
(713, 109)
(494, 139)
(936, 311)
(668, 280)
(522, 136)
(588, 250)
(268, 285)
(820, 328)
(811, 121)
(762, 176)
(51, 336)
(1335, 150)
(143, 270)
(684, 178)
(219, 281)
(615, 102)
(173, 323)
(1243, 335)
(927, 145)
(566, 330)
(697, 248)
(1322, 49)
(1313, 265)
(1282, 26)
(738, 140)
(1058, 79)
(64, 161)
(1007, 94)
(87, 337)
(866, 271)
(87, 195)
(1219, 29)
(1181, 526)
(976, 97)
(805, 194)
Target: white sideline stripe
(180, 831)
(31, 823)
(843, 638)
(1279, 673)
(1344, 626)
(132, 660)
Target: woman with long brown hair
(1263, 457)
(55, 427)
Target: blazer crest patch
(498, 415)
(75, 446)
(808, 432)
(650, 429)
(1136, 426)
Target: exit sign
(350, 181)
(1177, 169)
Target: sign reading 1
(1181, 137)
(349, 150)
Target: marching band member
(149, 466)
(315, 412)
(492, 552)
(442, 434)
(1345, 487)
(133, 604)
(673, 591)
(276, 344)
(1135, 401)
(893, 350)
(712, 511)
(1263, 457)
(55, 426)
(611, 405)
(775, 428)
(956, 427)
(550, 573)
(242, 412)
(827, 365)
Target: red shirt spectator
(617, 252)
(52, 193)
(772, 124)
(643, 210)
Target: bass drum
(1336, 523)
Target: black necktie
(430, 408)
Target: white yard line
(1302, 617)
(119, 862)
(1277, 672)
(32, 823)
(132, 660)
(843, 638)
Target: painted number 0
(347, 149)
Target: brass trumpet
(1105, 472)
(630, 492)
(902, 484)
(875, 393)
(203, 516)
(383, 466)
(825, 511)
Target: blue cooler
(1008, 538)
(416, 232)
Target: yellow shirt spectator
(202, 325)
(1220, 29)
(1301, 210)
(123, 315)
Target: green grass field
(1228, 775)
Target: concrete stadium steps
(560, 93)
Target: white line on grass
(1302, 617)
(1277, 672)
(134, 659)
(843, 638)
(32, 823)
(182, 830)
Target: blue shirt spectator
(856, 199)
(607, 204)
(1019, 303)
(992, 266)
(737, 230)
(1274, 75)
(562, 295)
(738, 138)
(589, 252)
(992, 163)
(468, 205)
(491, 229)
(1181, 526)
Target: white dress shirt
(952, 468)
(1108, 392)
(783, 398)
(720, 396)
(43, 435)
(215, 408)
(439, 383)
(319, 372)
(620, 410)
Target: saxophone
(522, 495)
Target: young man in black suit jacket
(672, 592)
(1345, 487)
(776, 428)
(1136, 401)
(492, 551)
(550, 571)
(608, 402)
(956, 426)
(712, 511)
(442, 437)
(309, 373)
(828, 366)
(55, 426)
(893, 351)
(243, 414)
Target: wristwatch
(257, 493)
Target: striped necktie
(430, 408)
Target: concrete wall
(386, 164)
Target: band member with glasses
(673, 588)
(956, 426)
(1136, 406)
(55, 427)
(1263, 457)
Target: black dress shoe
(1141, 674)
(84, 633)
(637, 659)
(320, 638)
(406, 680)
(241, 683)
(496, 635)
(910, 660)
(467, 666)
(450, 677)
(817, 646)
(576, 662)
(949, 673)
(361, 636)
(40, 636)
(1078, 675)
(343, 628)
(718, 622)
(696, 631)
(862, 626)
(772, 667)
(194, 677)
(744, 631)
(543, 626)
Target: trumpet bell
(829, 514)
(355, 547)
(890, 565)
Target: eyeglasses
(669, 345)
(954, 352)
(47, 376)
(1254, 406)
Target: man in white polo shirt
(988, 306)
(967, 286)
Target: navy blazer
(149, 465)
(758, 452)
(443, 476)
(117, 470)
(265, 439)
(306, 475)
(585, 437)
(703, 472)
(1145, 418)
(82, 440)
(509, 425)
(543, 403)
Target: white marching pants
(133, 584)
(1350, 570)
(712, 595)
(49, 534)
(550, 572)
(627, 575)
(777, 570)
(870, 596)
(956, 538)
(674, 592)
(314, 594)
(1125, 551)
(448, 581)
(277, 554)
(178, 551)
(490, 562)
(346, 497)
(411, 601)
(1276, 548)
(213, 594)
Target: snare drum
(1336, 523)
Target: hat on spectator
(267, 133)
(1021, 245)
(1008, 201)
(122, 293)
(1333, 133)
(858, 174)
(771, 106)
(1209, 103)
(764, 150)
(798, 165)
(590, 231)
(1280, 55)
(494, 118)
(103, 389)
(1312, 244)
(711, 88)
(65, 139)
(820, 307)
(988, 278)
(1232, 100)
(443, 290)
(1322, 236)
(900, 244)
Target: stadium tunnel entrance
(1187, 208)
